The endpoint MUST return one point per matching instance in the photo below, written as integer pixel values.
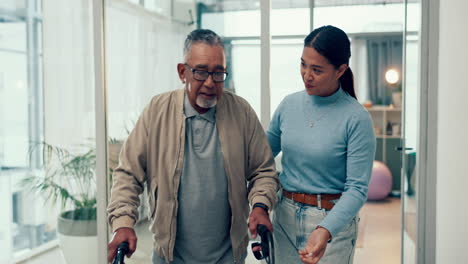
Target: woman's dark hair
(333, 43)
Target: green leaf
(69, 177)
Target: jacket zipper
(171, 233)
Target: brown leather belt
(318, 200)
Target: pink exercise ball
(380, 184)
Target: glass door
(144, 43)
(47, 179)
(238, 23)
(411, 117)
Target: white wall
(452, 145)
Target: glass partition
(47, 103)
(290, 23)
(376, 30)
(144, 43)
(411, 133)
(239, 25)
(24, 226)
(47, 145)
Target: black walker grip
(267, 253)
(122, 250)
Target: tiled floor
(379, 240)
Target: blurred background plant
(68, 179)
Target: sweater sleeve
(274, 131)
(359, 159)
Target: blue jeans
(293, 223)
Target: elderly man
(204, 156)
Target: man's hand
(121, 235)
(259, 216)
(315, 247)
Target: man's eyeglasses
(202, 75)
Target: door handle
(401, 148)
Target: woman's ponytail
(347, 82)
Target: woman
(328, 147)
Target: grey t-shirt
(204, 215)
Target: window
(238, 23)
(22, 126)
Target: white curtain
(358, 65)
(68, 72)
(142, 52)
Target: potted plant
(69, 178)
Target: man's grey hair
(201, 36)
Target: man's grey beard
(203, 103)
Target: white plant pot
(79, 249)
(396, 99)
(78, 240)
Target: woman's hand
(315, 247)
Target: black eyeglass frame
(225, 74)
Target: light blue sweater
(335, 155)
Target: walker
(122, 249)
(268, 251)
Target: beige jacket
(154, 153)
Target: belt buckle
(319, 201)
